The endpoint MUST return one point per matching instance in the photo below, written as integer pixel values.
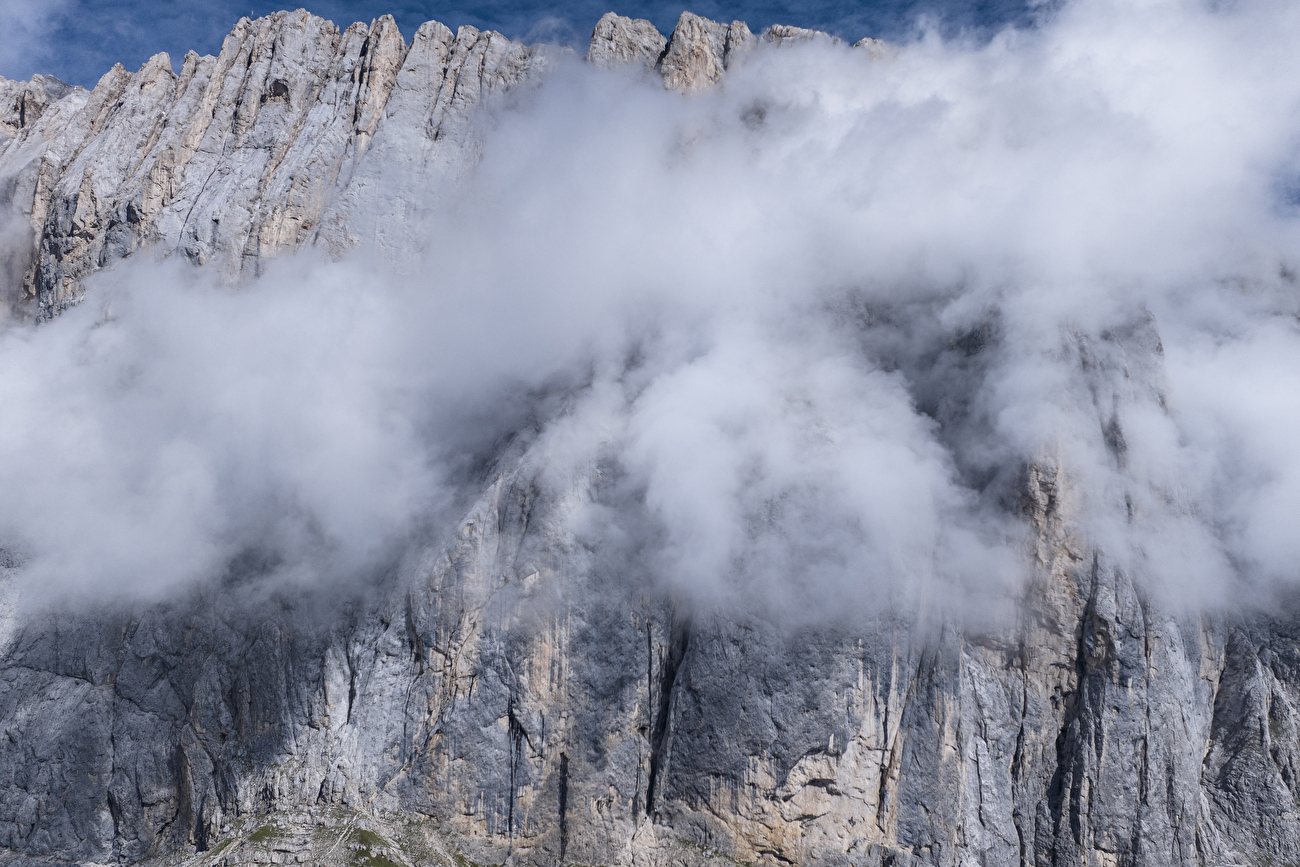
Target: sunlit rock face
(240, 156)
(262, 149)
(509, 697)
(618, 40)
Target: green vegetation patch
(369, 839)
(265, 834)
(220, 847)
(367, 842)
(369, 860)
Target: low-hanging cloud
(817, 323)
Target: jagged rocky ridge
(242, 155)
(515, 703)
(262, 149)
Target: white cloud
(818, 321)
(27, 41)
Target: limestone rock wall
(240, 156)
(508, 695)
(264, 148)
(534, 709)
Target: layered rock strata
(507, 699)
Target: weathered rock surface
(240, 156)
(617, 40)
(510, 700)
(785, 34)
(877, 48)
(515, 703)
(700, 50)
(23, 103)
(263, 148)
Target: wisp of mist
(817, 323)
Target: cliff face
(510, 699)
(241, 156)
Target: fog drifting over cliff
(809, 329)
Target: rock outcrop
(262, 149)
(700, 51)
(785, 34)
(507, 699)
(240, 156)
(618, 40)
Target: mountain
(508, 698)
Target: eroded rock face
(263, 149)
(507, 697)
(241, 156)
(23, 102)
(785, 34)
(700, 50)
(427, 135)
(513, 702)
(617, 40)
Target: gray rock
(525, 705)
(785, 34)
(241, 156)
(617, 40)
(427, 136)
(878, 49)
(700, 50)
(509, 698)
(22, 103)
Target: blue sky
(79, 40)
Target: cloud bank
(811, 327)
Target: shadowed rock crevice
(564, 805)
(670, 665)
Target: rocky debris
(618, 40)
